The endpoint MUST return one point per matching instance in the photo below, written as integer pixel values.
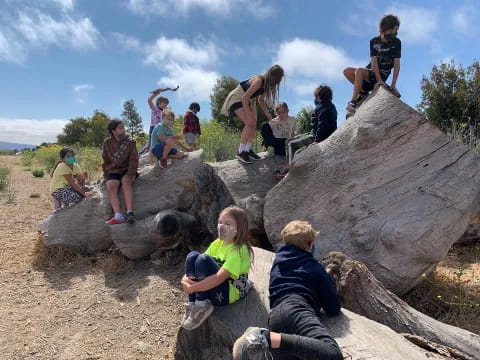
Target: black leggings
(278, 144)
(303, 334)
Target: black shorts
(235, 106)
(370, 84)
(118, 177)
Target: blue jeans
(150, 135)
(201, 266)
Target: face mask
(226, 232)
(70, 160)
(168, 123)
(316, 102)
(390, 37)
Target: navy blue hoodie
(295, 271)
(324, 120)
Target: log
(387, 188)
(359, 337)
(470, 236)
(363, 294)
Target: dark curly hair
(194, 107)
(113, 124)
(324, 92)
(389, 22)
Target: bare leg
(360, 75)
(112, 189)
(168, 146)
(248, 129)
(127, 187)
(350, 74)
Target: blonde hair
(162, 99)
(299, 233)
(241, 219)
(281, 105)
(168, 113)
(273, 77)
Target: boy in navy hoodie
(299, 288)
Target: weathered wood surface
(359, 337)
(363, 294)
(387, 188)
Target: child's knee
(169, 141)
(192, 256)
(202, 259)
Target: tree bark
(363, 294)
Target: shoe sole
(206, 316)
(351, 109)
(237, 352)
(243, 160)
(131, 221)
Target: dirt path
(76, 310)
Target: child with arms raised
(220, 275)
(299, 288)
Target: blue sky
(61, 59)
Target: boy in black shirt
(385, 53)
(299, 288)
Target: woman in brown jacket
(120, 164)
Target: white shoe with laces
(252, 345)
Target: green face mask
(70, 160)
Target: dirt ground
(79, 310)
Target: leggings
(66, 197)
(294, 144)
(269, 139)
(303, 334)
(201, 266)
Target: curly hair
(389, 22)
(324, 92)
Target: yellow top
(58, 180)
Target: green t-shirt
(58, 180)
(160, 130)
(236, 261)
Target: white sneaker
(252, 345)
(198, 314)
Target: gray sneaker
(252, 345)
(188, 310)
(198, 314)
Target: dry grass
(44, 257)
(115, 263)
(451, 294)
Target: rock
(387, 188)
(358, 337)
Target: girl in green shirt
(220, 275)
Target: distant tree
(220, 90)
(132, 119)
(304, 120)
(97, 130)
(74, 131)
(451, 100)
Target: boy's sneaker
(352, 106)
(252, 155)
(280, 174)
(243, 157)
(198, 314)
(114, 221)
(131, 217)
(163, 163)
(252, 345)
(188, 310)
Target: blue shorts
(157, 150)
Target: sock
(248, 147)
(201, 303)
(242, 148)
(118, 216)
(129, 211)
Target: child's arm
(376, 70)
(396, 72)
(208, 283)
(328, 294)
(263, 106)
(154, 94)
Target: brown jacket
(127, 161)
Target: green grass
(4, 178)
(38, 173)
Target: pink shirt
(156, 116)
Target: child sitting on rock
(220, 275)
(164, 139)
(299, 288)
(279, 130)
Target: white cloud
(32, 28)
(81, 92)
(65, 4)
(195, 83)
(464, 20)
(223, 8)
(417, 24)
(30, 131)
(187, 65)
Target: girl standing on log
(220, 275)
(242, 102)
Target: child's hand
(187, 284)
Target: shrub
(47, 156)
(38, 173)
(4, 178)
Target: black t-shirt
(385, 52)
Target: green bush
(38, 173)
(27, 157)
(4, 178)
(90, 160)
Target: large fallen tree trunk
(359, 337)
(363, 294)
